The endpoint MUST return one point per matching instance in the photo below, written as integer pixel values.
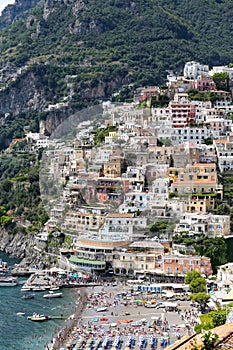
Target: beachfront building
(123, 226)
(148, 258)
(181, 264)
(95, 255)
(138, 258)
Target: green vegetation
(19, 191)
(222, 81)
(213, 319)
(101, 133)
(197, 285)
(162, 226)
(215, 248)
(208, 341)
(119, 39)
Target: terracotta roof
(195, 182)
(224, 342)
(220, 141)
(204, 164)
(118, 215)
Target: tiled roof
(206, 182)
(118, 215)
(204, 164)
(224, 342)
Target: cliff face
(24, 94)
(17, 11)
(18, 245)
(23, 247)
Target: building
(224, 150)
(140, 257)
(193, 70)
(181, 264)
(199, 178)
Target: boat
(25, 288)
(39, 289)
(7, 280)
(52, 295)
(20, 314)
(54, 288)
(28, 295)
(102, 309)
(39, 318)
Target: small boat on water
(7, 280)
(25, 289)
(52, 288)
(39, 318)
(52, 295)
(38, 289)
(28, 295)
(20, 313)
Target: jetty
(45, 280)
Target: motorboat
(52, 295)
(39, 318)
(102, 309)
(7, 280)
(39, 289)
(25, 288)
(52, 288)
(28, 295)
(20, 314)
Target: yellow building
(112, 169)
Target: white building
(222, 69)
(193, 70)
(224, 150)
(181, 135)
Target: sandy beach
(112, 317)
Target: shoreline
(80, 305)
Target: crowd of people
(113, 319)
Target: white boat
(52, 295)
(102, 309)
(54, 288)
(8, 281)
(38, 289)
(20, 313)
(25, 289)
(39, 318)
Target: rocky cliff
(17, 11)
(22, 95)
(24, 247)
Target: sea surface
(17, 332)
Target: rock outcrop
(19, 10)
(23, 247)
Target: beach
(113, 317)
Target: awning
(77, 260)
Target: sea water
(17, 332)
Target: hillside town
(142, 175)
